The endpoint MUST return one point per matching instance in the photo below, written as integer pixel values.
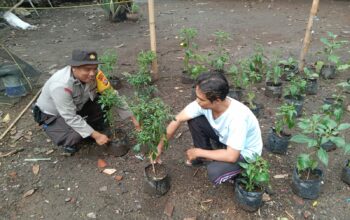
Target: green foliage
(258, 64)
(317, 130)
(142, 79)
(296, 87)
(274, 73)
(193, 62)
(114, 7)
(331, 44)
(310, 74)
(305, 163)
(239, 77)
(255, 173)
(250, 99)
(109, 99)
(153, 116)
(285, 116)
(336, 108)
(135, 8)
(109, 60)
(220, 56)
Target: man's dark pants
(202, 132)
(64, 135)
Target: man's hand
(100, 139)
(136, 123)
(191, 154)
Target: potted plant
(115, 9)
(278, 137)
(345, 174)
(109, 99)
(133, 12)
(315, 131)
(273, 81)
(289, 67)
(311, 81)
(109, 60)
(141, 80)
(153, 116)
(220, 56)
(239, 79)
(193, 62)
(251, 186)
(328, 66)
(257, 64)
(253, 106)
(294, 93)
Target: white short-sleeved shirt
(237, 127)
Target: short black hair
(213, 85)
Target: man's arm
(171, 129)
(229, 154)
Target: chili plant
(285, 116)
(108, 100)
(220, 56)
(153, 116)
(296, 87)
(109, 60)
(315, 131)
(255, 173)
(331, 44)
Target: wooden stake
(152, 30)
(307, 39)
(20, 115)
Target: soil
(74, 188)
(159, 174)
(305, 175)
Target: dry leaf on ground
(36, 169)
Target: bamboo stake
(152, 30)
(20, 115)
(16, 5)
(307, 39)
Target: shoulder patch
(68, 90)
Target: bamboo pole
(20, 115)
(307, 39)
(152, 30)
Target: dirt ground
(73, 187)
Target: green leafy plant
(331, 44)
(255, 173)
(310, 74)
(258, 64)
(142, 79)
(220, 56)
(134, 8)
(193, 62)
(114, 7)
(250, 99)
(274, 73)
(336, 108)
(109, 60)
(108, 100)
(285, 116)
(296, 87)
(315, 131)
(153, 116)
(239, 78)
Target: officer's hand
(100, 139)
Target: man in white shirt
(215, 116)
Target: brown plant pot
(119, 145)
(132, 17)
(156, 184)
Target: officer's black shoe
(70, 149)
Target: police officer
(67, 106)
